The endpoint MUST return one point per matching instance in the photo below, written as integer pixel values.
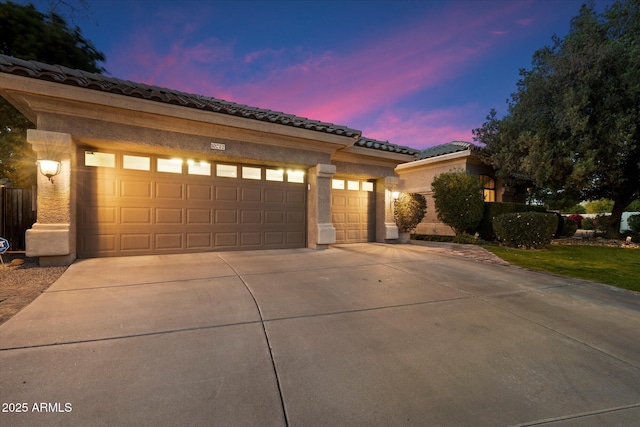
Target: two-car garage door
(136, 204)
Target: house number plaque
(218, 146)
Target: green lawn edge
(618, 267)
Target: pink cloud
(343, 87)
(421, 129)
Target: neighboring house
(456, 156)
(149, 170)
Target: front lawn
(613, 266)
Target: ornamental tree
(573, 126)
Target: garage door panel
(251, 217)
(223, 240)
(99, 187)
(171, 241)
(135, 242)
(295, 237)
(226, 216)
(295, 217)
(273, 238)
(226, 194)
(96, 215)
(198, 192)
(251, 195)
(97, 243)
(274, 217)
(168, 216)
(251, 239)
(199, 240)
(135, 216)
(137, 189)
(140, 211)
(296, 196)
(171, 191)
(338, 200)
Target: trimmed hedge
(494, 209)
(525, 229)
(570, 227)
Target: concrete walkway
(357, 335)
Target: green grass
(613, 266)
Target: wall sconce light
(49, 168)
(395, 194)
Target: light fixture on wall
(49, 168)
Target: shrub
(601, 222)
(570, 227)
(465, 238)
(634, 223)
(587, 224)
(525, 229)
(492, 210)
(577, 218)
(409, 210)
(459, 201)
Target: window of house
(489, 188)
(367, 186)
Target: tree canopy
(32, 35)
(573, 125)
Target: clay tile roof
(448, 148)
(385, 146)
(64, 75)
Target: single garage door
(353, 209)
(138, 204)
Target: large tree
(573, 126)
(32, 35)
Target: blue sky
(415, 73)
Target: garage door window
(136, 163)
(170, 165)
(295, 176)
(251, 173)
(367, 186)
(105, 160)
(227, 171)
(337, 184)
(353, 185)
(199, 168)
(275, 175)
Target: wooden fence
(17, 215)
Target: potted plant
(409, 210)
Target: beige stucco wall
(416, 177)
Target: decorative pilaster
(52, 237)
(320, 230)
(386, 228)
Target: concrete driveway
(357, 335)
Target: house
(416, 177)
(147, 170)
(144, 170)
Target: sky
(416, 73)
